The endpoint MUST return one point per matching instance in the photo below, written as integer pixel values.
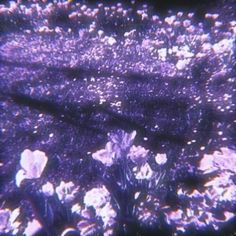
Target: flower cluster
(8, 222)
(118, 143)
(137, 160)
(199, 213)
(120, 146)
(225, 159)
(95, 209)
(219, 189)
(99, 200)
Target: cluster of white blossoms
(225, 159)
(65, 191)
(10, 225)
(120, 146)
(198, 213)
(113, 149)
(137, 159)
(219, 189)
(97, 212)
(98, 199)
(33, 164)
(8, 222)
(222, 186)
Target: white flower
(122, 139)
(138, 154)
(32, 228)
(48, 189)
(8, 221)
(223, 46)
(174, 216)
(106, 156)
(225, 159)
(143, 172)
(97, 197)
(66, 191)
(32, 164)
(170, 20)
(161, 158)
(119, 142)
(20, 176)
(162, 54)
(76, 208)
(107, 213)
(229, 194)
(182, 64)
(111, 41)
(221, 187)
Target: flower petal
(20, 176)
(40, 161)
(26, 160)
